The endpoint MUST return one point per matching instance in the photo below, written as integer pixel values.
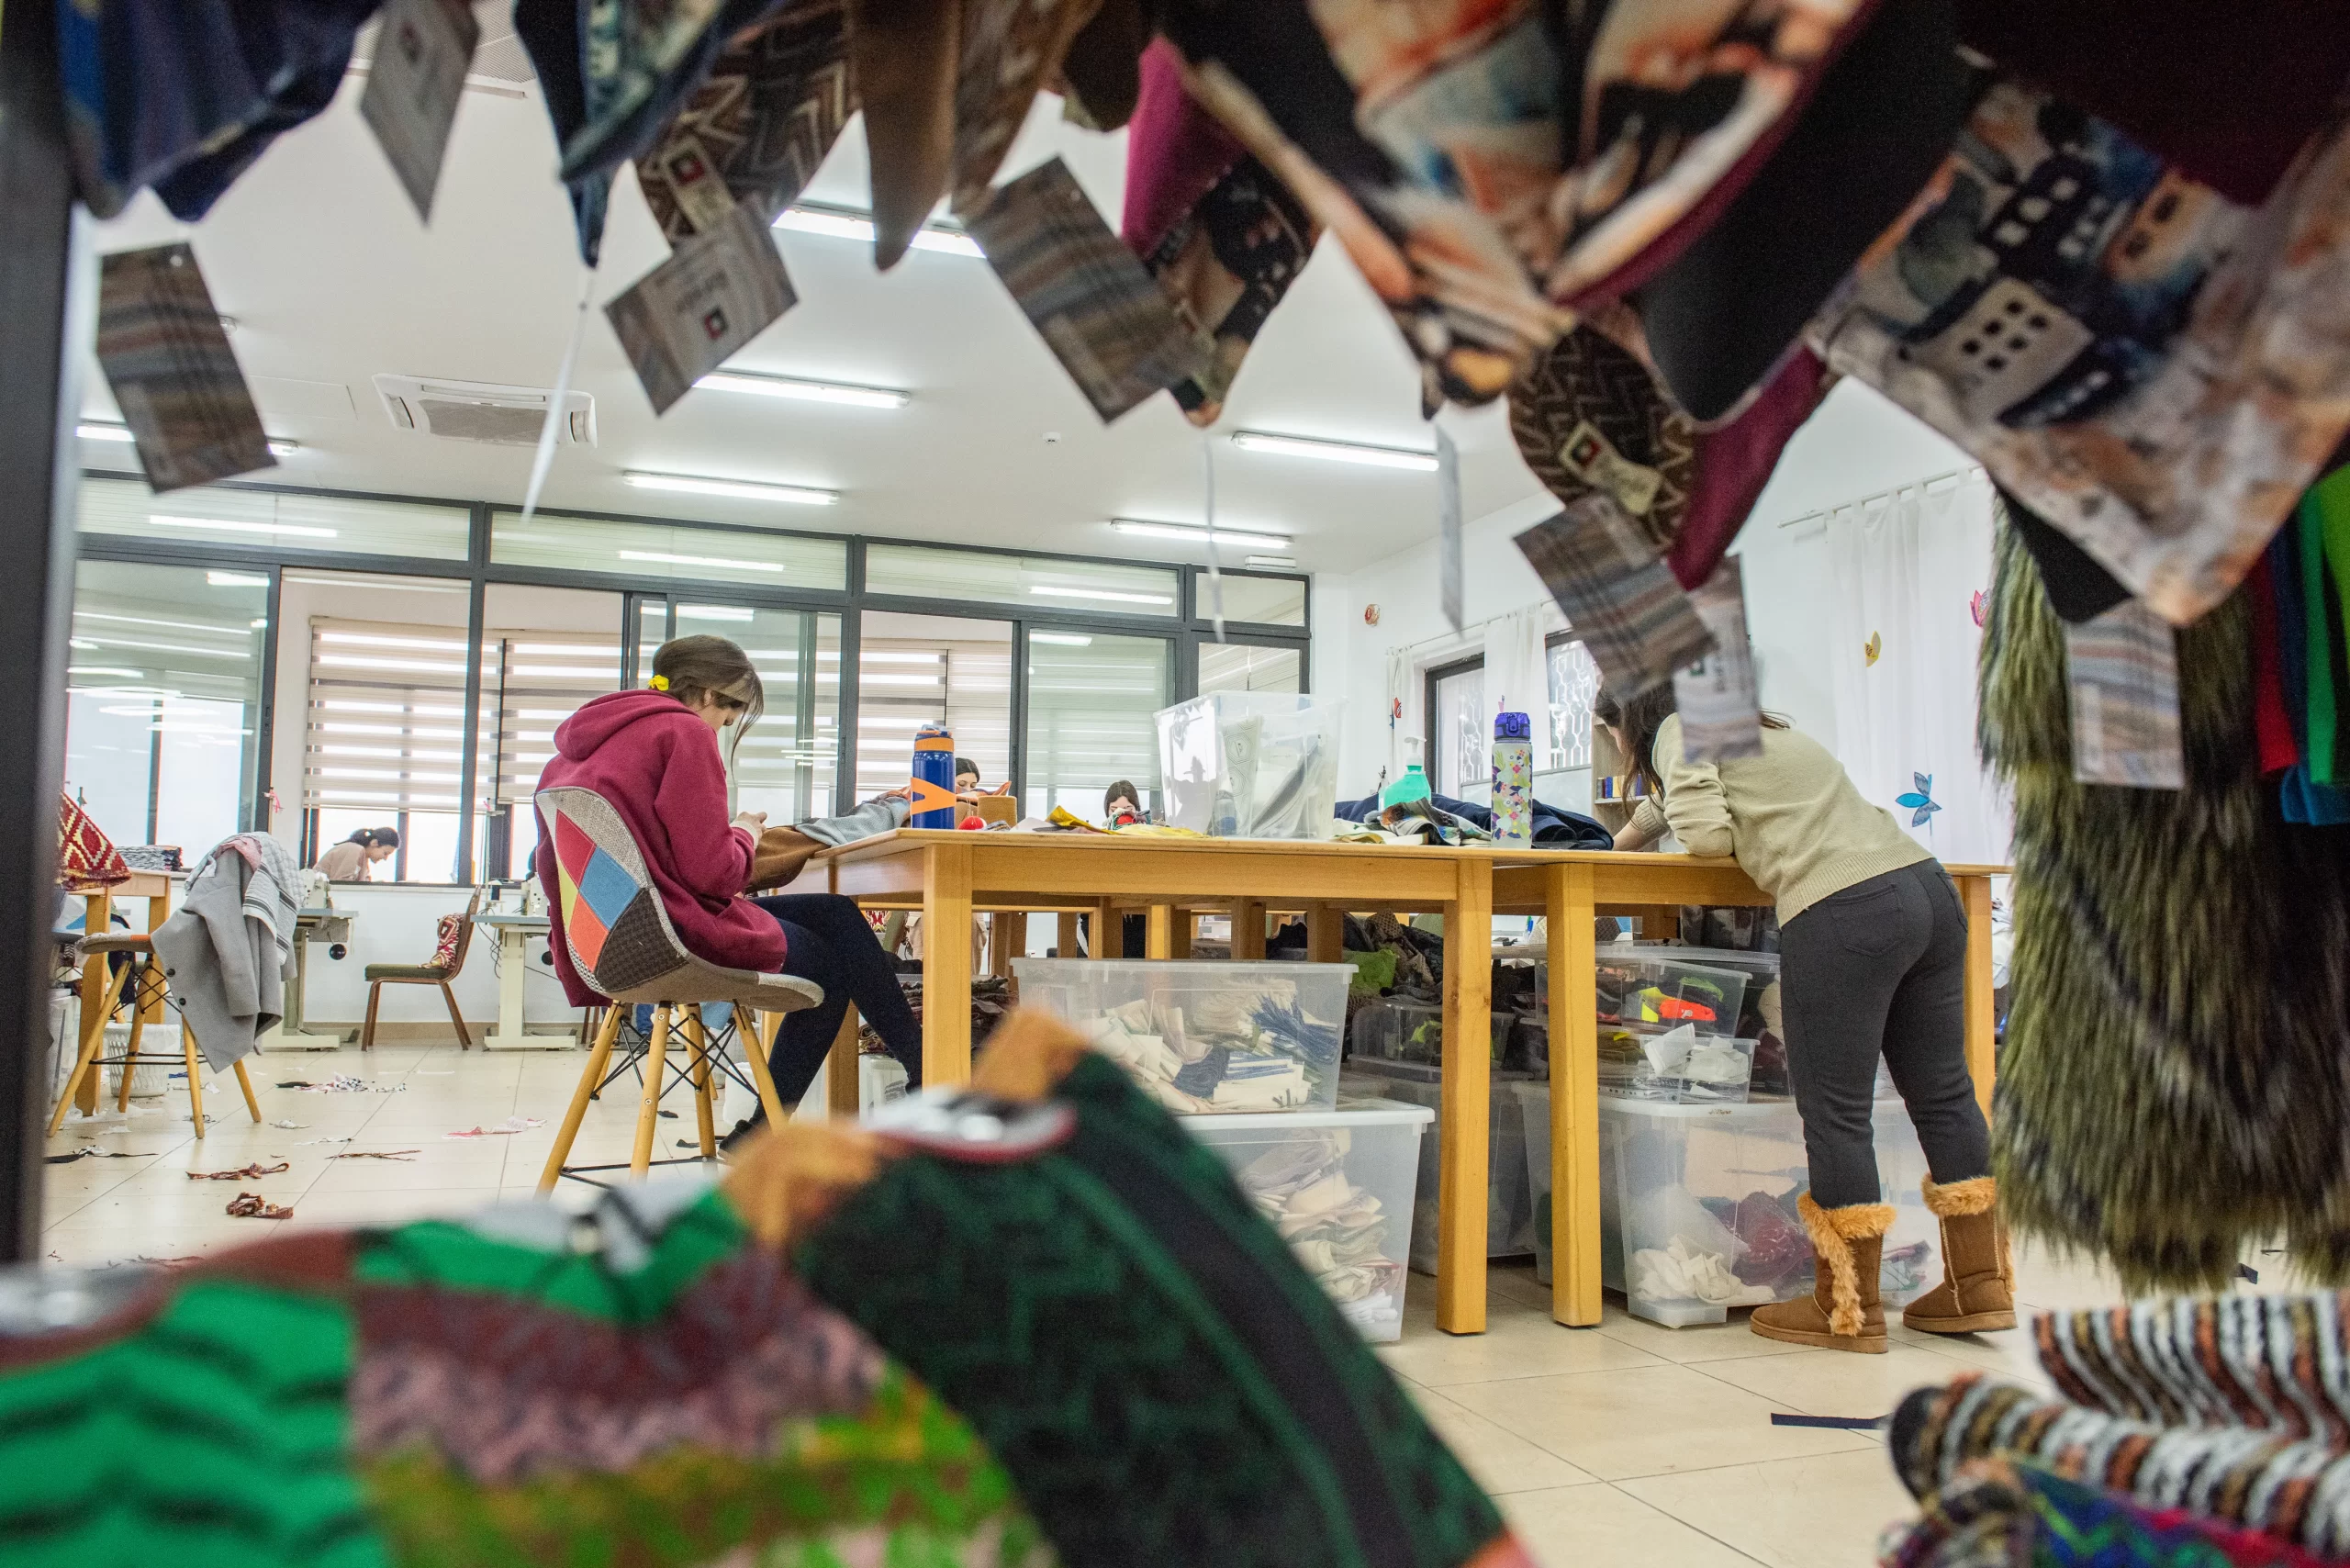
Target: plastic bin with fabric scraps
(1509, 1206)
(1677, 1065)
(1698, 1205)
(1396, 1029)
(1201, 1038)
(1337, 1184)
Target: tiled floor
(1626, 1444)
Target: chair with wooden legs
(618, 936)
(448, 961)
(138, 982)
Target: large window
(1092, 705)
(543, 653)
(1575, 690)
(1265, 602)
(1460, 757)
(272, 519)
(1039, 584)
(1238, 667)
(788, 765)
(927, 669)
(658, 552)
(164, 715)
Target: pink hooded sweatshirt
(660, 768)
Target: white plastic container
(1509, 1203)
(1706, 1177)
(1205, 1037)
(1339, 1185)
(1251, 764)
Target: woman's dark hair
(1638, 720)
(371, 837)
(699, 666)
(1121, 790)
(964, 765)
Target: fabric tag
(687, 316)
(413, 86)
(1617, 594)
(703, 200)
(1593, 458)
(2122, 668)
(1720, 714)
(1448, 517)
(174, 375)
(1099, 311)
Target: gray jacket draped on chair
(228, 951)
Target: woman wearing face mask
(656, 755)
(1872, 953)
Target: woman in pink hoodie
(654, 756)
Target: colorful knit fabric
(2276, 1363)
(2295, 1491)
(2172, 1084)
(1138, 1347)
(1996, 1514)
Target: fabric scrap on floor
(509, 1126)
(252, 1172)
(252, 1205)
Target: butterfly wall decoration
(1921, 801)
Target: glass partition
(1092, 706)
(1237, 667)
(543, 653)
(786, 765)
(924, 669)
(657, 553)
(214, 514)
(1041, 585)
(1268, 601)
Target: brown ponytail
(698, 667)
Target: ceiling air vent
(476, 411)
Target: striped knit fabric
(2001, 1515)
(2277, 1365)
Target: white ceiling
(331, 280)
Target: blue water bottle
(931, 791)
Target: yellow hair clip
(658, 683)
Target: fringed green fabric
(2175, 1081)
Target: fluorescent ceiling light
(886, 658)
(1198, 535)
(104, 669)
(1335, 451)
(929, 680)
(158, 647)
(1103, 594)
(712, 612)
(855, 226)
(96, 429)
(1277, 563)
(718, 561)
(805, 390)
(300, 531)
(740, 489)
(369, 639)
(1061, 639)
(569, 651)
(166, 625)
(236, 579)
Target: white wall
(1857, 444)
(395, 924)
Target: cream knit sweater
(1791, 818)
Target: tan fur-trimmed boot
(1978, 1288)
(1842, 1312)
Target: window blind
(385, 717)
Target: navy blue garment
(828, 941)
(1553, 828)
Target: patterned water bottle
(932, 790)
(1512, 792)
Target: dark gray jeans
(1879, 970)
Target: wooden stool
(136, 977)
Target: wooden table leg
(1326, 934)
(1982, 1019)
(946, 965)
(159, 910)
(97, 918)
(1186, 926)
(1065, 942)
(1574, 1097)
(1001, 925)
(1159, 933)
(842, 1097)
(1109, 932)
(1247, 928)
(1464, 1163)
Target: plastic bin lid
(1351, 1112)
(1235, 970)
(1748, 1110)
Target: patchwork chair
(136, 983)
(454, 939)
(612, 924)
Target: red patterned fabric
(87, 861)
(444, 951)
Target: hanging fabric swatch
(1005, 50)
(168, 361)
(1617, 594)
(1587, 416)
(715, 293)
(422, 49)
(2173, 1086)
(1721, 715)
(1096, 308)
(2152, 368)
(758, 127)
(1448, 523)
(2123, 671)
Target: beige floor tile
(1519, 1341)
(2054, 1283)
(1697, 1343)
(1501, 1461)
(392, 1207)
(2008, 1354)
(1599, 1527)
(1791, 1513)
(1835, 1382)
(1647, 1420)
(426, 1167)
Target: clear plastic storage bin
(1509, 1205)
(1394, 1030)
(1338, 1185)
(1656, 985)
(1677, 1064)
(1223, 1038)
(1251, 764)
(1701, 1200)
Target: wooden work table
(949, 876)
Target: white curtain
(1910, 575)
(1518, 679)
